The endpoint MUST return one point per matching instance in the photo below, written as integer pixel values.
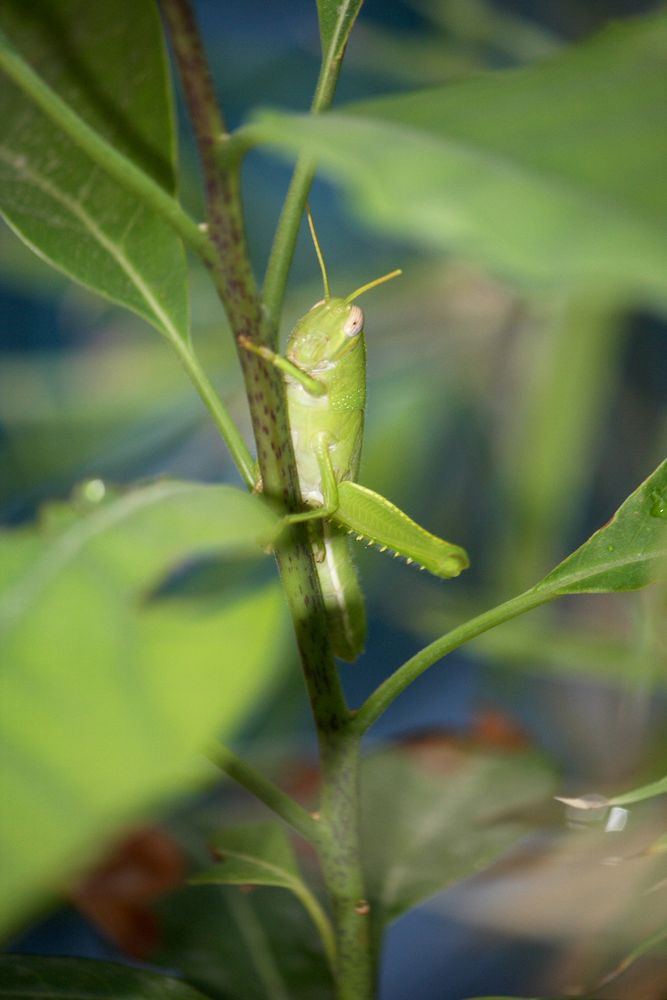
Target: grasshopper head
(333, 328)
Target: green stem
(340, 857)
(221, 418)
(284, 244)
(382, 697)
(233, 278)
(265, 790)
(284, 241)
(322, 923)
(230, 269)
(102, 152)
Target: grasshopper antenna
(373, 284)
(318, 251)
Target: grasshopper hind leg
(342, 594)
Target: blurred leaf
(33, 976)
(629, 552)
(482, 24)
(551, 173)
(261, 854)
(643, 948)
(639, 794)
(108, 696)
(447, 822)
(649, 791)
(570, 371)
(336, 19)
(240, 945)
(108, 62)
(255, 854)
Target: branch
(265, 790)
(218, 411)
(380, 700)
(231, 273)
(284, 241)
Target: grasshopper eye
(354, 322)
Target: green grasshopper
(325, 375)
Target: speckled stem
(340, 857)
(230, 269)
(231, 273)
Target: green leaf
(336, 21)
(111, 682)
(261, 854)
(649, 791)
(244, 945)
(446, 824)
(627, 553)
(553, 173)
(639, 794)
(254, 854)
(30, 977)
(108, 62)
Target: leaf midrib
(605, 567)
(111, 247)
(287, 876)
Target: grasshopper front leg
(312, 385)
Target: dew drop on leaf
(659, 504)
(92, 491)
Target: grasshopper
(325, 376)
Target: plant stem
(284, 241)
(284, 244)
(222, 419)
(383, 696)
(232, 276)
(265, 790)
(340, 856)
(102, 152)
(313, 908)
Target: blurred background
(509, 420)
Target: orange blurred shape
(117, 894)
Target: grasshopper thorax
(332, 329)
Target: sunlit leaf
(553, 173)
(108, 62)
(31, 976)
(112, 682)
(627, 553)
